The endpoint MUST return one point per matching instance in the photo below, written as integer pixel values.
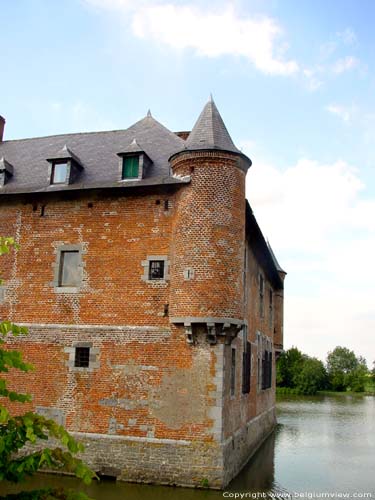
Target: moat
(322, 444)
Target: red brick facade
(160, 372)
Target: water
(322, 444)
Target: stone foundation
(174, 462)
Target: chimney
(2, 126)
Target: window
(156, 270)
(59, 173)
(267, 370)
(246, 368)
(82, 357)
(270, 308)
(233, 372)
(69, 273)
(130, 167)
(261, 296)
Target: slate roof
(210, 132)
(262, 249)
(97, 153)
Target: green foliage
(346, 371)
(300, 373)
(288, 367)
(16, 463)
(312, 377)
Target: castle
(153, 302)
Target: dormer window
(130, 167)
(59, 173)
(65, 167)
(134, 162)
(6, 171)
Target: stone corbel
(211, 333)
(189, 333)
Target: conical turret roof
(210, 132)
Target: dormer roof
(6, 166)
(210, 132)
(65, 154)
(131, 148)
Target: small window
(82, 357)
(130, 167)
(69, 274)
(261, 296)
(156, 270)
(59, 173)
(270, 316)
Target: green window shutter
(130, 167)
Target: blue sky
(295, 84)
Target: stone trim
(56, 268)
(93, 357)
(140, 157)
(195, 319)
(117, 437)
(146, 268)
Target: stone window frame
(141, 162)
(56, 268)
(94, 363)
(51, 169)
(146, 268)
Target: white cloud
(323, 233)
(346, 113)
(347, 36)
(210, 33)
(345, 64)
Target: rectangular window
(246, 368)
(156, 270)
(82, 357)
(69, 272)
(130, 167)
(59, 173)
(261, 296)
(233, 373)
(270, 308)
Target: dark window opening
(166, 204)
(267, 370)
(35, 208)
(233, 373)
(156, 271)
(271, 309)
(166, 309)
(157, 202)
(90, 204)
(69, 274)
(82, 357)
(42, 210)
(59, 173)
(130, 167)
(261, 296)
(246, 368)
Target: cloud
(345, 64)
(344, 112)
(184, 27)
(323, 232)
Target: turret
(209, 231)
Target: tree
(345, 370)
(312, 377)
(288, 367)
(17, 462)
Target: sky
(295, 85)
